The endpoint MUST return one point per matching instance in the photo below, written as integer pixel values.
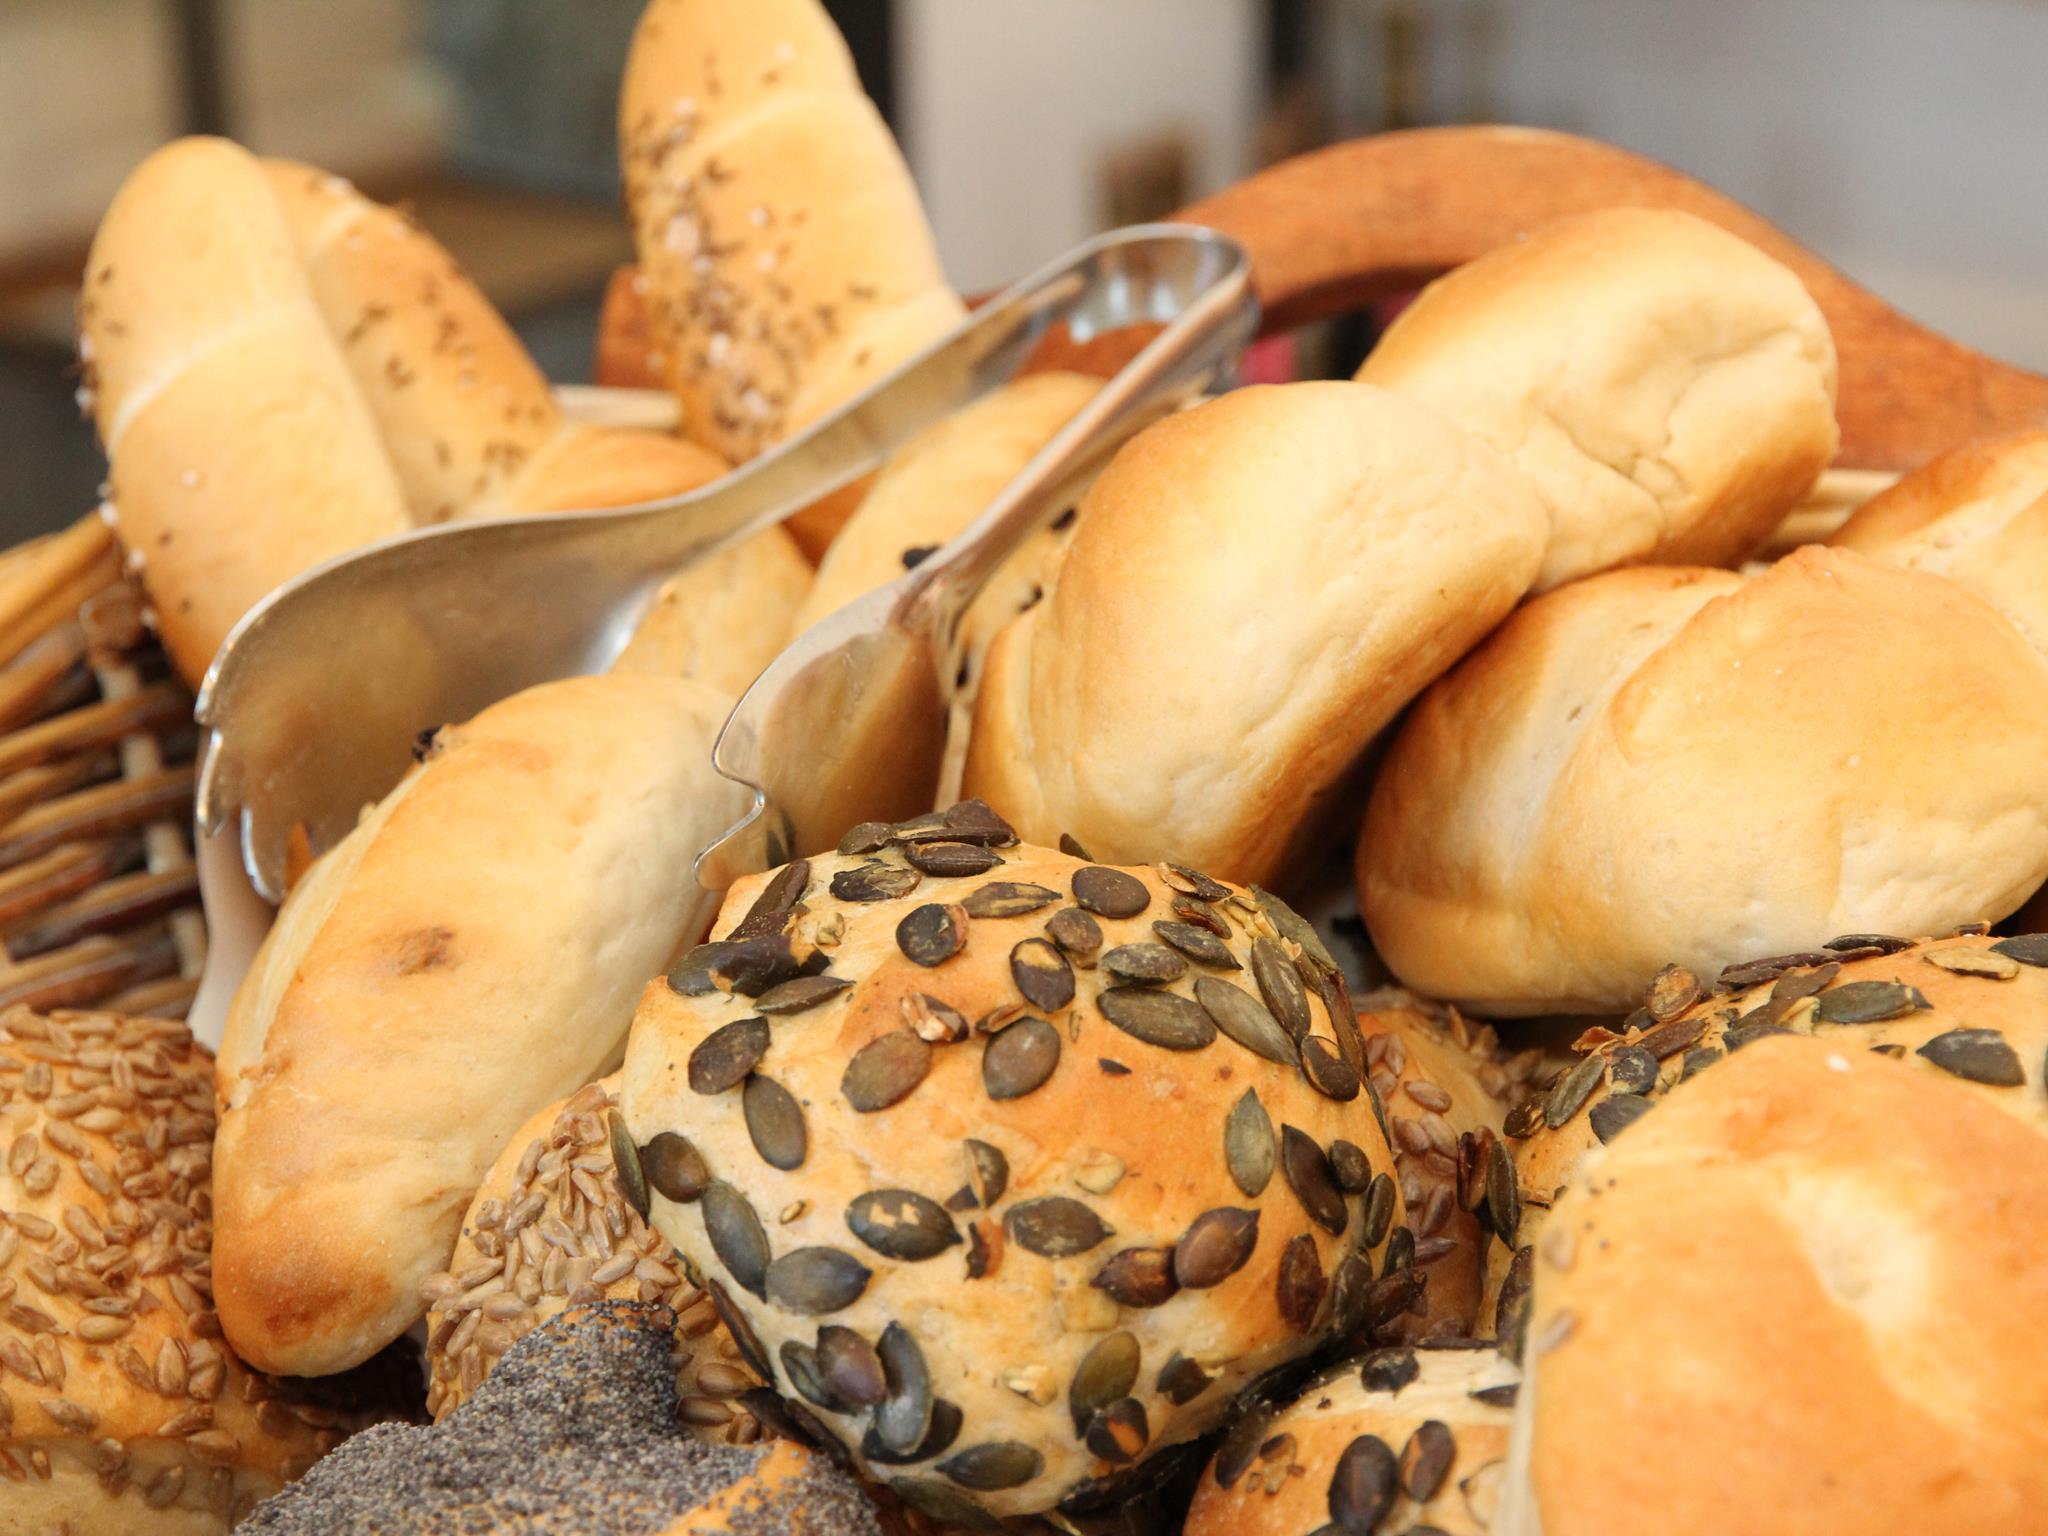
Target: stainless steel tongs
(317, 696)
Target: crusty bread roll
(1255, 587)
(1977, 515)
(553, 1227)
(1403, 1440)
(787, 260)
(1791, 1300)
(1682, 765)
(888, 1115)
(120, 1408)
(468, 954)
(1667, 388)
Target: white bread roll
(1254, 588)
(242, 451)
(787, 260)
(722, 620)
(1683, 765)
(1977, 515)
(1667, 388)
(470, 953)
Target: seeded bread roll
(788, 263)
(553, 1227)
(1405, 1440)
(1977, 515)
(1683, 765)
(120, 1409)
(1856, 1233)
(468, 954)
(1001, 1247)
(1254, 588)
(1973, 1007)
(1668, 389)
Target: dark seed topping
(800, 1369)
(748, 966)
(1400, 1251)
(1075, 932)
(905, 1413)
(1245, 1019)
(675, 1168)
(1110, 892)
(1070, 845)
(723, 1058)
(1007, 898)
(1631, 1069)
(973, 821)
(1301, 1284)
(952, 860)
(1670, 1039)
(1020, 1059)
(937, 1502)
(741, 1330)
(1875, 943)
(1525, 1119)
(770, 912)
(1672, 990)
(996, 1465)
(979, 1254)
(1425, 1459)
(884, 1071)
(804, 992)
(1293, 927)
(817, 1280)
(1389, 1370)
(1120, 1432)
(626, 1159)
(1349, 1293)
(737, 1236)
(1280, 985)
(1181, 1381)
(1189, 910)
(1215, 1246)
(1694, 1060)
(938, 1438)
(1111, 1067)
(1868, 1002)
(1362, 1488)
(1138, 1277)
(1164, 1019)
(1055, 1227)
(1502, 1396)
(901, 1224)
(1327, 1072)
(1106, 1373)
(875, 881)
(1794, 985)
(1192, 882)
(1241, 1445)
(867, 837)
(1198, 944)
(988, 1176)
(1351, 1166)
(1980, 1055)
(1750, 972)
(1503, 1193)
(849, 1367)
(1042, 974)
(933, 933)
(1379, 1208)
(1308, 1174)
(1248, 1150)
(1571, 1091)
(2027, 948)
(1328, 984)
(1616, 1113)
(1145, 963)
(775, 1123)
(1475, 1149)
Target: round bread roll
(575, 1431)
(788, 263)
(1405, 1440)
(1970, 1006)
(721, 620)
(1684, 765)
(1255, 587)
(469, 953)
(1001, 1247)
(1668, 389)
(120, 1408)
(1977, 515)
(1800, 1291)
(553, 1227)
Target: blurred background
(1900, 138)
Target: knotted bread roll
(1668, 389)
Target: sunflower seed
(1571, 1091)
(933, 933)
(885, 1070)
(1215, 1246)
(1164, 1019)
(945, 1429)
(800, 1369)
(1503, 1193)
(626, 1162)
(1389, 1370)
(803, 993)
(1300, 1284)
(1138, 1277)
(905, 1414)
(741, 1330)
(1979, 1055)
(1110, 892)
(952, 861)
(1197, 944)
(1280, 985)
(1054, 1226)
(1077, 933)
(1631, 1069)
(1974, 962)
(817, 1280)
(1181, 1381)
(997, 1465)
(1616, 1113)
(1106, 1373)
(722, 1059)
(1379, 1208)
(737, 1236)
(1327, 1072)
(875, 881)
(1119, 1433)
(902, 1224)
(849, 1368)
(1244, 1019)
(1007, 898)
(1144, 963)
(674, 1167)
(988, 1175)
(1672, 990)
(775, 1123)
(1248, 1144)
(1309, 1176)
(1351, 1166)
(867, 837)
(1042, 974)
(2027, 948)
(1425, 1459)
(1020, 1059)
(1363, 1486)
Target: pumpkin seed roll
(1009, 1169)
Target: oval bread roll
(1667, 388)
(468, 954)
(1683, 765)
(1254, 588)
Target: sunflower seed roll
(1010, 1169)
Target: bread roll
(1667, 388)
(553, 1227)
(120, 1410)
(723, 619)
(468, 954)
(1254, 588)
(1682, 765)
(915, 1160)
(1793, 1299)
(242, 451)
(787, 260)
(1979, 516)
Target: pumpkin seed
(1120, 1432)
(674, 1167)
(1110, 892)
(1138, 1277)
(1616, 1113)
(1672, 990)
(1426, 1458)
(1070, 845)
(1379, 1208)
(722, 1059)
(1077, 933)
(1245, 1019)
(1248, 1144)
(875, 881)
(1328, 984)
(1190, 882)
(1309, 1176)
(1350, 1286)
(1106, 1373)
(1164, 1019)
(1300, 1285)
(1042, 974)
(2027, 948)
(901, 1224)
(933, 933)
(1400, 1251)
(866, 837)
(988, 1175)
(1351, 1166)
(1876, 943)
(932, 1019)
(885, 1070)
(1327, 1072)
(1280, 985)
(1978, 1055)
(748, 966)
(938, 1502)
(737, 1236)
(848, 1367)
(1181, 1381)
(626, 1159)
(1007, 898)
(1631, 1069)
(904, 1416)
(1869, 1002)
(1198, 944)
(1215, 1246)
(1571, 1091)
(1502, 1396)
(801, 993)
(1503, 1193)
(1974, 962)
(1020, 1059)
(800, 1369)
(1794, 985)
(1055, 1227)
(1362, 1488)
(945, 1429)
(1389, 1370)
(775, 1123)
(1144, 963)
(1751, 972)
(1694, 1060)
(975, 821)
(1241, 1445)
(952, 861)
(1293, 927)
(741, 1330)
(1669, 1039)
(993, 1466)
(771, 909)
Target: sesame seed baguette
(470, 954)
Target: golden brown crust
(721, 620)
(1668, 389)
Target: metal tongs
(319, 693)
